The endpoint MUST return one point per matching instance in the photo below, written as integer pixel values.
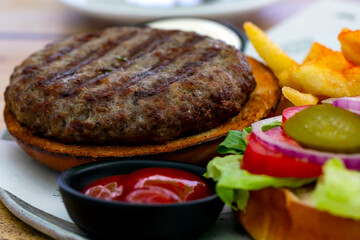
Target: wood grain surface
(28, 25)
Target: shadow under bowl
(100, 218)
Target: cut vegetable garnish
(289, 112)
(351, 161)
(338, 191)
(233, 183)
(325, 128)
(350, 103)
(261, 159)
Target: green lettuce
(338, 190)
(233, 184)
(235, 141)
(271, 125)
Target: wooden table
(27, 25)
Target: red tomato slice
(289, 112)
(278, 134)
(260, 159)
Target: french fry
(276, 59)
(324, 72)
(334, 61)
(352, 77)
(317, 80)
(317, 51)
(350, 45)
(299, 98)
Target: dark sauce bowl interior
(101, 218)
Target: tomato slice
(291, 111)
(279, 134)
(261, 159)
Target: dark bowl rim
(63, 185)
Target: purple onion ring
(351, 161)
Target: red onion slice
(349, 103)
(351, 161)
(329, 100)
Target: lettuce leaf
(235, 141)
(233, 184)
(271, 125)
(338, 190)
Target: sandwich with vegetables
(295, 176)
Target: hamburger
(295, 176)
(133, 91)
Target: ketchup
(150, 185)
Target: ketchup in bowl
(147, 199)
(154, 185)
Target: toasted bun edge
(279, 214)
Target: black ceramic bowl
(115, 219)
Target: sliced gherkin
(325, 128)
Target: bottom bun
(197, 149)
(279, 214)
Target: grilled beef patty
(129, 85)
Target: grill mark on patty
(88, 36)
(81, 40)
(163, 62)
(187, 70)
(139, 50)
(51, 57)
(156, 39)
(60, 53)
(92, 56)
(187, 46)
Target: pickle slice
(325, 128)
